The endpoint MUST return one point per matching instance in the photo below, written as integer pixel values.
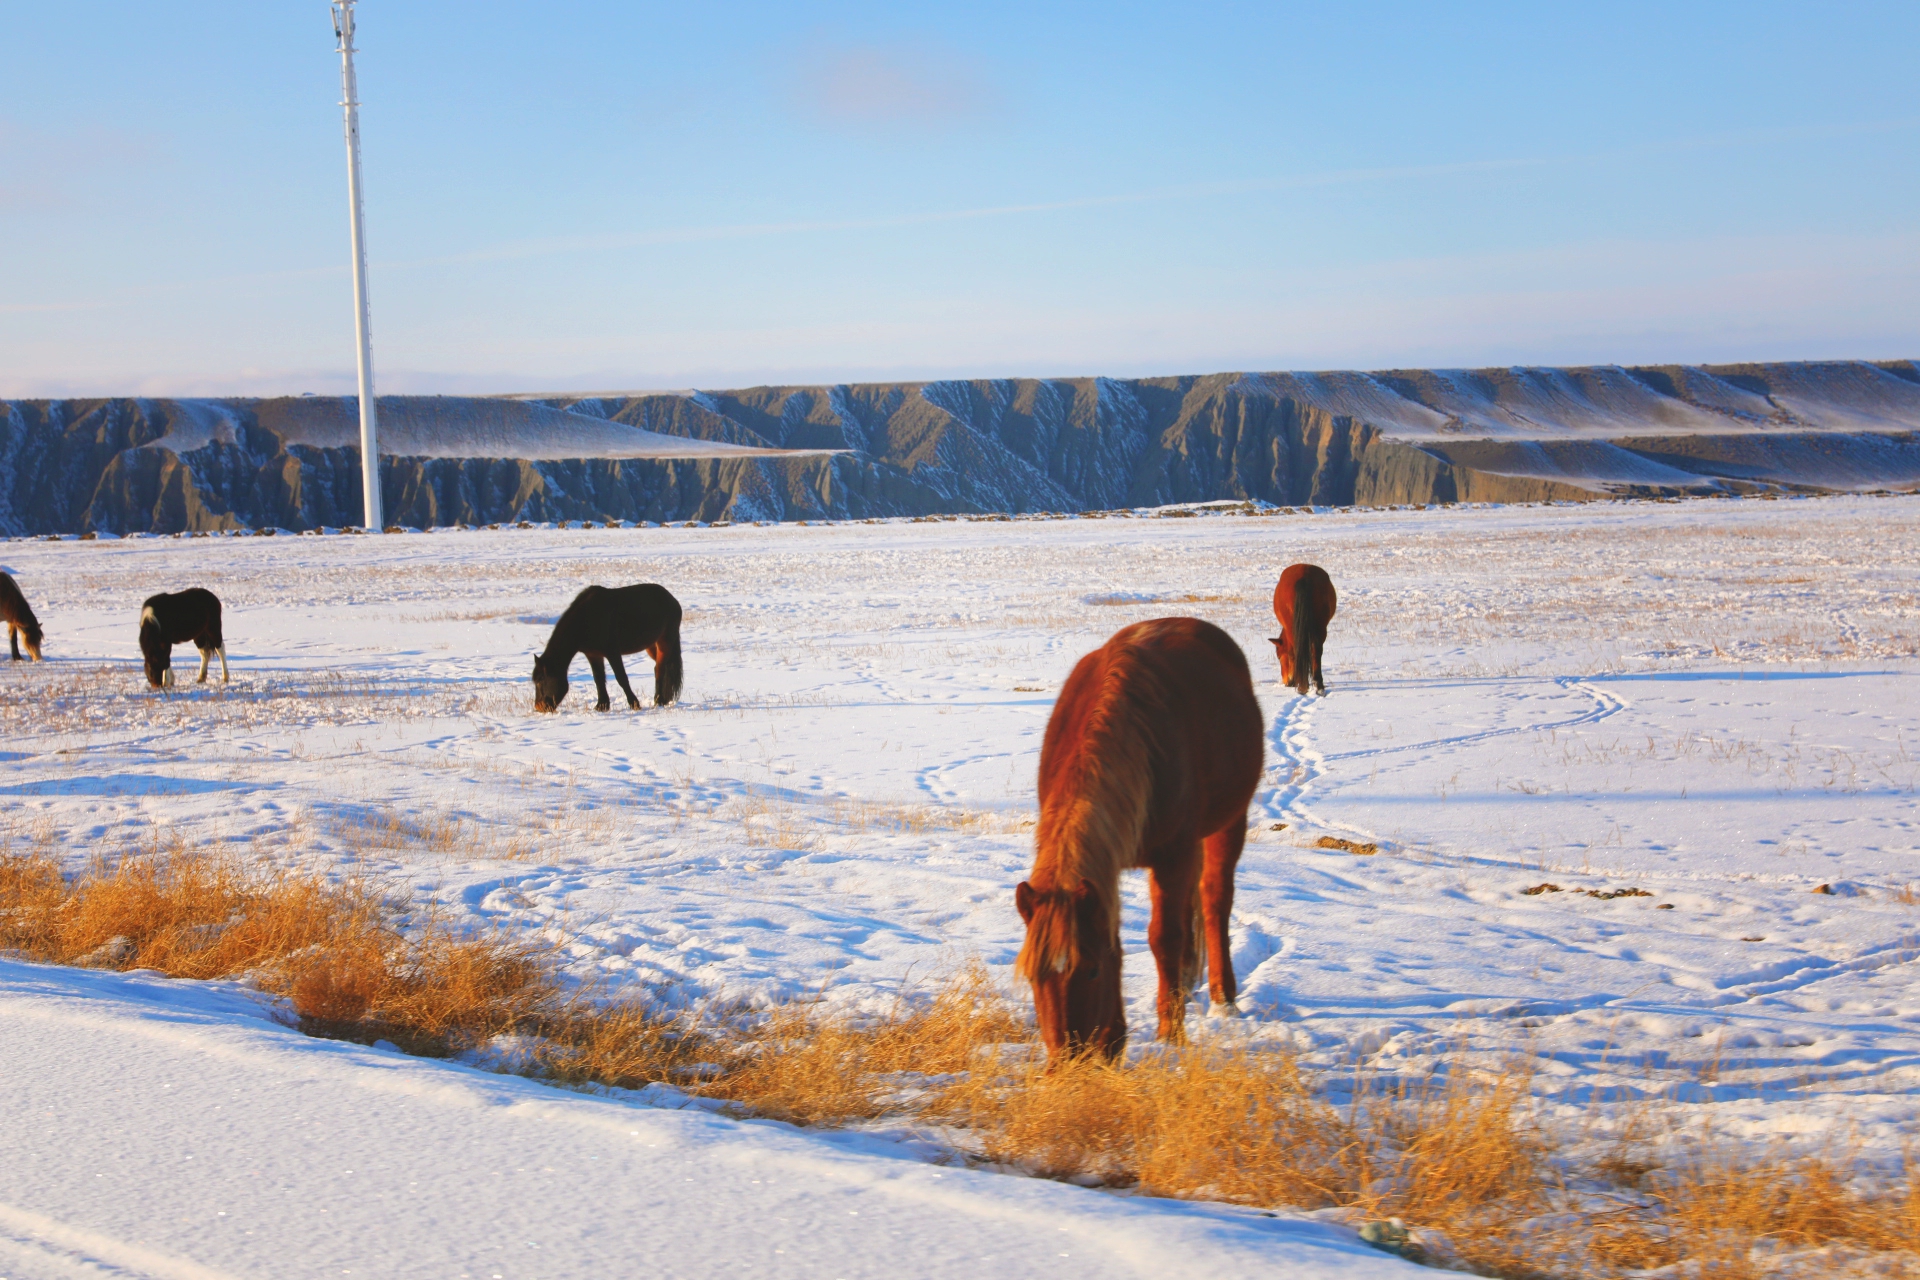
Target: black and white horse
(170, 619)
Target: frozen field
(1714, 704)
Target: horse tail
(667, 671)
(1303, 626)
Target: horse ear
(1023, 896)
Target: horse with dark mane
(170, 619)
(1149, 760)
(20, 619)
(606, 623)
(1304, 601)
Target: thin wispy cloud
(742, 231)
(885, 86)
(1189, 191)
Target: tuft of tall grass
(331, 947)
(1717, 1212)
(794, 1064)
(1459, 1155)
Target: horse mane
(1303, 620)
(1094, 825)
(563, 640)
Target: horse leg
(13, 639)
(1216, 898)
(620, 674)
(206, 656)
(1319, 643)
(222, 651)
(1170, 935)
(599, 666)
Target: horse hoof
(1223, 1009)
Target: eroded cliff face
(1013, 445)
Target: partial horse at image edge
(1150, 760)
(607, 623)
(21, 624)
(1304, 601)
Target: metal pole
(362, 320)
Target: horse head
(1072, 958)
(156, 653)
(1283, 650)
(549, 685)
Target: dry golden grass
(1462, 1157)
(1715, 1214)
(1347, 846)
(792, 1065)
(331, 947)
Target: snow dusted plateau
(1714, 703)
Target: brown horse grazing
(1150, 759)
(605, 623)
(167, 620)
(20, 619)
(1304, 602)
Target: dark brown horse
(1304, 602)
(20, 620)
(170, 619)
(1150, 759)
(605, 623)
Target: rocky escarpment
(777, 453)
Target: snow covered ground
(165, 1129)
(1712, 703)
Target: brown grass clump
(792, 1063)
(1721, 1214)
(1253, 1128)
(183, 912)
(623, 1046)
(793, 1066)
(331, 947)
(1346, 846)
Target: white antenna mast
(362, 321)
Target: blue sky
(614, 196)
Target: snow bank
(170, 1130)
